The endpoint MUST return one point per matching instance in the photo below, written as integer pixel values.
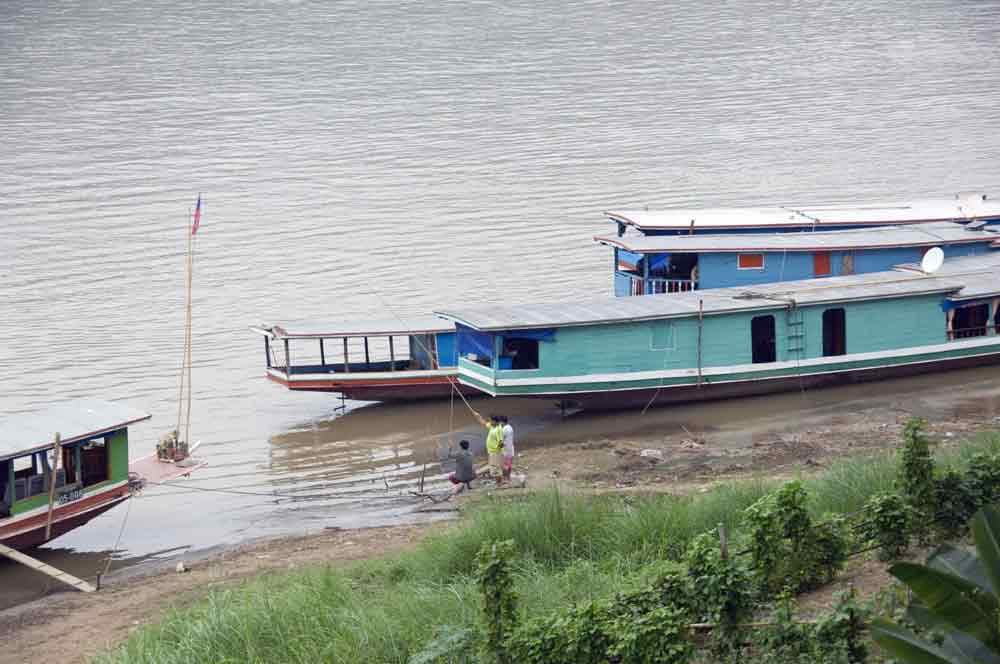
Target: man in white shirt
(508, 448)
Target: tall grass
(572, 547)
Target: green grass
(571, 547)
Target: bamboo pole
(52, 487)
(190, 283)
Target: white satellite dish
(932, 261)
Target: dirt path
(38, 631)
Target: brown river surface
(371, 159)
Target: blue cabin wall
(720, 270)
(447, 352)
(667, 344)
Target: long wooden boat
(647, 265)
(613, 352)
(962, 208)
(92, 475)
(408, 359)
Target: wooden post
(267, 351)
(347, 362)
(52, 487)
(422, 473)
(322, 353)
(723, 541)
(368, 359)
(288, 360)
(392, 356)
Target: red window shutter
(821, 263)
(750, 261)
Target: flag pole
(184, 358)
(190, 284)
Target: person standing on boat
(507, 462)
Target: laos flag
(197, 216)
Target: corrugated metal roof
(876, 285)
(954, 209)
(880, 237)
(74, 421)
(365, 328)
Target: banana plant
(957, 598)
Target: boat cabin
(647, 265)
(367, 360)
(964, 208)
(736, 341)
(92, 464)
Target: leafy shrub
(955, 504)
(983, 478)
(721, 591)
(499, 599)
(788, 642)
(887, 522)
(786, 549)
(916, 473)
(639, 626)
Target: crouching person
(464, 471)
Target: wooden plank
(49, 570)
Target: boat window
(762, 336)
(94, 462)
(662, 335)
(969, 321)
(519, 354)
(750, 261)
(29, 476)
(834, 332)
(821, 264)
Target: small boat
(647, 265)
(384, 360)
(89, 465)
(963, 208)
(696, 345)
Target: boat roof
(882, 237)
(875, 285)
(366, 328)
(968, 269)
(960, 208)
(73, 421)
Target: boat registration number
(70, 496)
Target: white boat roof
(959, 208)
(874, 285)
(881, 237)
(73, 421)
(366, 328)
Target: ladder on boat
(796, 332)
(39, 566)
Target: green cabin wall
(872, 326)
(117, 442)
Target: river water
(383, 158)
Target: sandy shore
(37, 631)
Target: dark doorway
(94, 463)
(519, 354)
(834, 332)
(6, 490)
(762, 339)
(970, 321)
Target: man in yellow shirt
(494, 442)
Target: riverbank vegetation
(604, 578)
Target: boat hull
(29, 531)
(377, 388)
(707, 391)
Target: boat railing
(969, 332)
(353, 367)
(659, 285)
